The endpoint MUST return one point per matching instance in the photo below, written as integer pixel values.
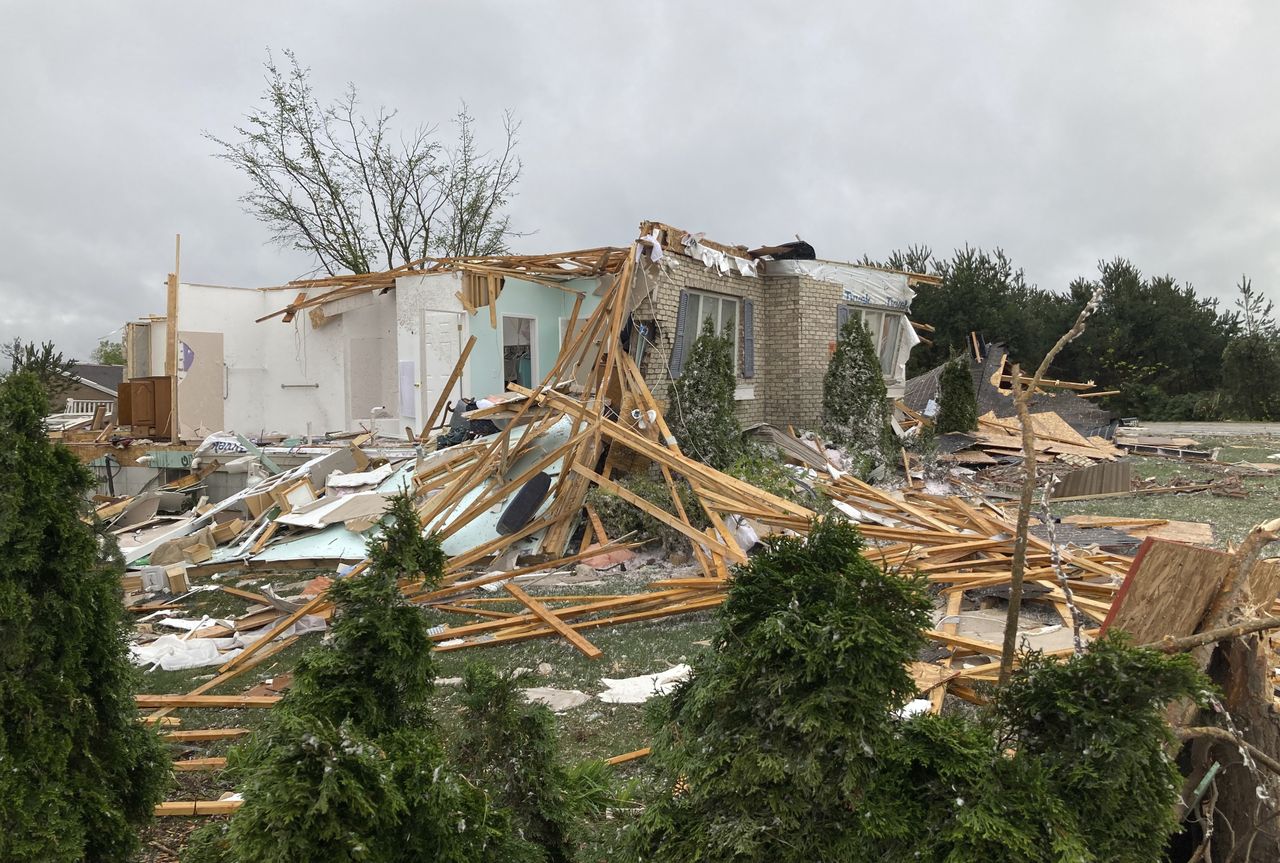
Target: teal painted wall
(531, 300)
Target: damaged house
(379, 351)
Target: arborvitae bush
(780, 728)
(785, 745)
(618, 517)
(511, 748)
(701, 408)
(958, 408)
(379, 671)
(1096, 725)
(78, 772)
(401, 549)
(349, 766)
(855, 402)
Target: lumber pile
(591, 413)
(965, 548)
(1055, 441)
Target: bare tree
(333, 182)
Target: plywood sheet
(1192, 532)
(1170, 587)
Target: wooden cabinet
(146, 406)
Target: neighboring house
(88, 385)
(379, 350)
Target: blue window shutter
(842, 318)
(748, 339)
(677, 346)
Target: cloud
(1062, 133)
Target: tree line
(1171, 353)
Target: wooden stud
(549, 617)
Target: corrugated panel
(1102, 478)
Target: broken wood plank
(200, 735)
(629, 756)
(188, 808)
(284, 624)
(662, 515)
(549, 617)
(193, 765)
(142, 700)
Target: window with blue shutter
(748, 339)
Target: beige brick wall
(795, 332)
(661, 286)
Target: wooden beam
(243, 656)
(629, 756)
(634, 599)
(443, 398)
(206, 700)
(487, 578)
(200, 735)
(1051, 383)
(688, 607)
(662, 515)
(549, 617)
(193, 765)
(227, 675)
(188, 808)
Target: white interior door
(441, 345)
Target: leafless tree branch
(338, 184)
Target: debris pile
(504, 486)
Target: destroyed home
(503, 485)
(376, 352)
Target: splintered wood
(593, 413)
(965, 549)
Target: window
(723, 312)
(518, 336)
(885, 328)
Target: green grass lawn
(592, 730)
(599, 730)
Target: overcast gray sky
(1063, 132)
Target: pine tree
(702, 412)
(958, 411)
(1251, 361)
(855, 401)
(78, 772)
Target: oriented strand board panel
(1170, 587)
